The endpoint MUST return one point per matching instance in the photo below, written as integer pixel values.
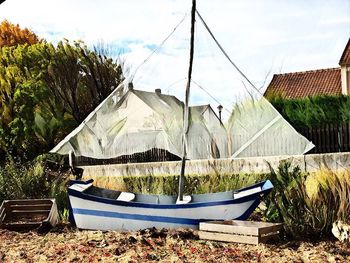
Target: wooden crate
(28, 214)
(247, 232)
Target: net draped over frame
(140, 121)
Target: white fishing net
(142, 120)
(256, 128)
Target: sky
(262, 37)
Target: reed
(307, 204)
(194, 184)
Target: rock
(341, 231)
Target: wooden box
(28, 214)
(247, 232)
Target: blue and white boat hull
(93, 211)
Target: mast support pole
(186, 108)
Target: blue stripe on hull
(163, 219)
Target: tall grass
(194, 184)
(307, 204)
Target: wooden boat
(104, 209)
(28, 214)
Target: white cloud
(337, 21)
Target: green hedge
(313, 111)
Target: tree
(16, 86)
(80, 79)
(45, 91)
(12, 35)
(102, 73)
(19, 89)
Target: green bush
(313, 111)
(308, 204)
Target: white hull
(93, 212)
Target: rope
(159, 46)
(211, 96)
(225, 54)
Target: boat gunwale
(85, 196)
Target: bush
(32, 180)
(313, 111)
(308, 204)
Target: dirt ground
(65, 244)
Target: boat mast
(186, 109)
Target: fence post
(340, 139)
(71, 159)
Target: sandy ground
(65, 244)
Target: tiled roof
(307, 83)
(345, 57)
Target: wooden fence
(328, 138)
(153, 155)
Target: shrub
(32, 180)
(308, 204)
(313, 111)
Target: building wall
(345, 80)
(348, 81)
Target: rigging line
(160, 45)
(225, 54)
(174, 83)
(221, 48)
(211, 96)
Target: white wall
(345, 80)
(308, 163)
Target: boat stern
(267, 186)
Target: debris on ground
(66, 244)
